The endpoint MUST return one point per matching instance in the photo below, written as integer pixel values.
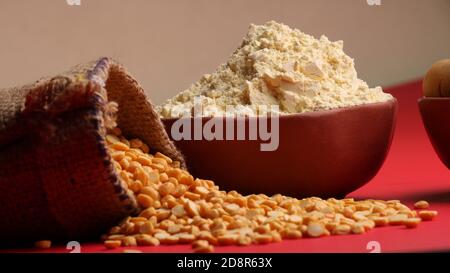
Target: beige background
(169, 44)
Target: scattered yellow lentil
(43, 244)
(427, 215)
(179, 209)
(112, 244)
(421, 204)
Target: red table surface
(412, 172)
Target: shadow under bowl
(435, 114)
(326, 153)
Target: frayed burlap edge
(56, 176)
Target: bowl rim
(433, 99)
(312, 114)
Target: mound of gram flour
(277, 65)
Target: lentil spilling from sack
(180, 209)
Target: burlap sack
(56, 177)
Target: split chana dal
(180, 209)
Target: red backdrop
(412, 172)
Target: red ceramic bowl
(435, 116)
(325, 154)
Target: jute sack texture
(57, 180)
